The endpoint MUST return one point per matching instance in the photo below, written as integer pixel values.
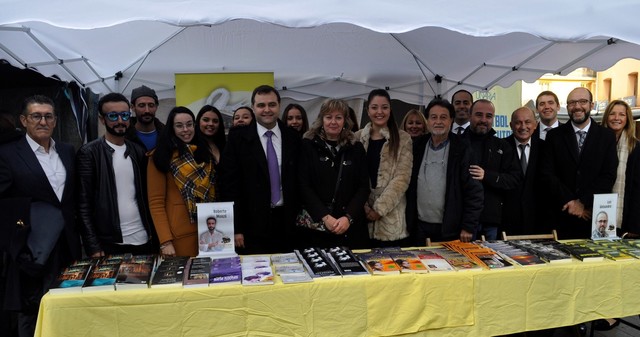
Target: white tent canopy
(418, 49)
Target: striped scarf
(618, 186)
(195, 181)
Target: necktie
(523, 157)
(581, 136)
(274, 172)
(334, 151)
(459, 128)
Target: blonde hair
(629, 128)
(417, 113)
(329, 106)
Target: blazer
(521, 207)
(536, 133)
(21, 176)
(244, 179)
(631, 209)
(569, 175)
(464, 196)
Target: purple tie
(274, 172)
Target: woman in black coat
(327, 147)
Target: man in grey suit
(37, 168)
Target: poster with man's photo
(603, 219)
(215, 229)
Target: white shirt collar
(35, 146)
(585, 129)
(262, 130)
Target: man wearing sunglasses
(145, 127)
(112, 200)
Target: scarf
(618, 186)
(195, 181)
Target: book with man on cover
(379, 264)
(215, 229)
(603, 219)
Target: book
(434, 262)
(514, 254)
(346, 262)
(547, 250)
(225, 271)
(256, 274)
(603, 219)
(72, 278)
(170, 273)
(485, 257)
(103, 276)
(135, 273)
(215, 229)
(196, 272)
(580, 251)
(409, 263)
(284, 258)
(379, 264)
(317, 263)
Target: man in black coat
(443, 201)
(264, 211)
(521, 204)
(37, 168)
(579, 161)
(495, 165)
(548, 106)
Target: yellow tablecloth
(480, 303)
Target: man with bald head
(521, 204)
(579, 160)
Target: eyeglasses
(113, 116)
(36, 118)
(181, 126)
(580, 101)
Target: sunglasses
(113, 116)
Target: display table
(481, 303)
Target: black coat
(570, 175)
(318, 173)
(464, 195)
(631, 209)
(21, 176)
(502, 173)
(97, 196)
(521, 204)
(244, 179)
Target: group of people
(442, 175)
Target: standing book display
(603, 219)
(215, 229)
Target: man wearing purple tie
(257, 173)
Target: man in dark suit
(579, 161)
(521, 203)
(548, 106)
(258, 172)
(37, 167)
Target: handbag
(304, 219)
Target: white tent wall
(318, 49)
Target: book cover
(580, 251)
(379, 264)
(603, 219)
(284, 258)
(433, 262)
(225, 271)
(102, 277)
(547, 250)
(516, 255)
(134, 275)
(170, 273)
(409, 263)
(72, 278)
(257, 274)
(317, 263)
(216, 229)
(196, 272)
(346, 262)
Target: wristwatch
(350, 218)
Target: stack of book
(379, 263)
(346, 262)
(317, 263)
(435, 262)
(135, 272)
(514, 254)
(256, 270)
(225, 271)
(580, 250)
(547, 250)
(72, 278)
(196, 272)
(290, 269)
(170, 273)
(103, 276)
(483, 256)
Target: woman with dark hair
(354, 120)
(333, 180)
(180, 175)
(389, 162)
(296, 117)
(243, 116)
(211, 129)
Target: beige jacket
(388, 198)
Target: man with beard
(112, 205)
(462, 101)
(548, 106)
(145, 127)
(443, 201)
(496, 166)
(579, 160)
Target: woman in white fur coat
(389, 160)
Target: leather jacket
(97, 196)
